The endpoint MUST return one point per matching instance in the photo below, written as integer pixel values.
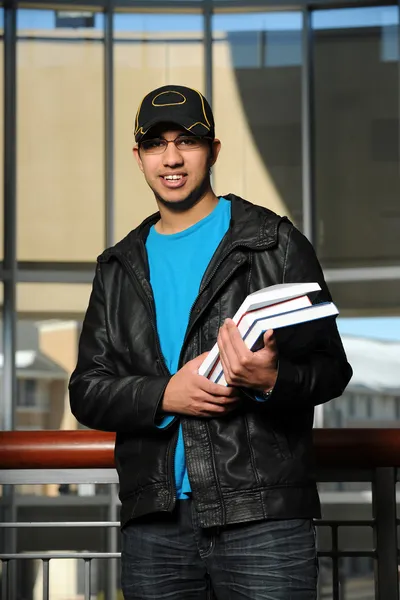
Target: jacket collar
(251, 226)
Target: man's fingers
(196, 362)
(215, 389)
(269, 338)
(223, 400)
(218, 408)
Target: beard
(191, 199)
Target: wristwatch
(265, 395)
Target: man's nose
(172, 156)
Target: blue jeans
(169, 557)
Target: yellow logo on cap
(169, 103)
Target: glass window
(357, 136)
(60, 146)
(45, 358)
(374, 298)
(257, 105)
(27, 393)
(48, 329)
(151, 50)
(372, 345)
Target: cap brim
(196, 128)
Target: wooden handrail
(86, 449)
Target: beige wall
(52, 300)
(60, 150)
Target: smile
(174, 181)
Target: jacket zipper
(203, 285)
(137, 285)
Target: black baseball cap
(175, 104)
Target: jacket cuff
(163, 422)
(149, 401)
(283, 387)
(286, 381)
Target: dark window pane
(373, 297)
(357, 136)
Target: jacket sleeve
(100, 397)
(313, 367)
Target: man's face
(178, 178)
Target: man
(217, 483)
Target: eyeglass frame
(166, 142)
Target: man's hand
(189, 393)
(242, 367)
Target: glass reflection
(257, 103)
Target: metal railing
(76, 457)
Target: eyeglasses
(183, 143)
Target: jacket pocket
(267, 439)
(282, 444)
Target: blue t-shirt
(177, 265)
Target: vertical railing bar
(46, 579)
(384, 508)
(88, 568)
(335, 563)
(112, 543)
(4, 579)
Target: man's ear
(136, 154)
(215, 149)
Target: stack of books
(273, 307)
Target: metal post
(10, 217)
(109, 124)
(10, 262)
(384, 510)
(46, 579)
(208, 61)
(335, 563)
(307, 132)
(4, 579)
(112, 545)
(88, 587)
(208, 51)
(307, 135)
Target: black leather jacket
(254, 463)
